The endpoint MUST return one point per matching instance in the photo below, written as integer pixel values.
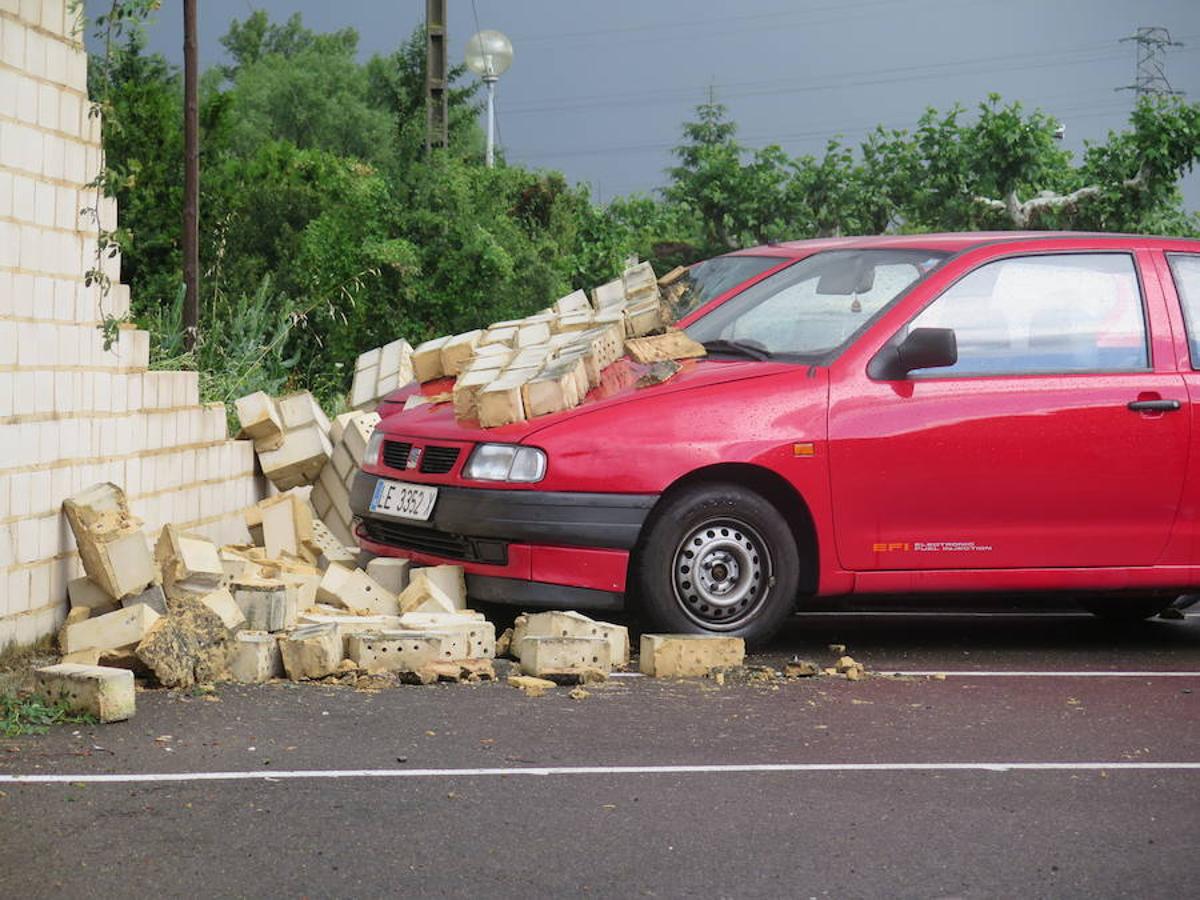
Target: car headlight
(374, 445)
(505, 462)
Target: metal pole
(191, 179)
(491, 134)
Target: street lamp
(489, 54)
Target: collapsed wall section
(71, 413)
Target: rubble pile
(545, 363)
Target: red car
(877, 415)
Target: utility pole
(1151, 79)
(191, 179)
(437, 108)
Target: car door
(1052, 442)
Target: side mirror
(924, 348)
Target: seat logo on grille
(414, 458)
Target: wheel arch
(772, 487)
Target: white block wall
(72, 414)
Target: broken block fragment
(313, 651)
(571, 624)
(390, 572)
(85, 593)
(355, 590)
(99, 691)
(287, 524)
(189, 646)
(111, 545)
(153, 597)
(190, 564)
(688, 655)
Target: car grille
(438, 460)
(435, 543)
(395, 454)
(435, 460)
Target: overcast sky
(598, 89)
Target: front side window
(1068, 312)
(1186, 272)
(814, 306)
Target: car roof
(956, 242)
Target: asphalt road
(1053, 783)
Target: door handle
(1154, 405)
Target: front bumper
(536, 548)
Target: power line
(773, 86)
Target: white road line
(1000, 673)
(748, 768)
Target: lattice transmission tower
(1152, 44)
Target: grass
(32, 715)
(20, 714)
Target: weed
(32, 715)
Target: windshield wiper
(749, 349)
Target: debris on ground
(531, 686)
(801, 668)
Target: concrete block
(328, 549)
(85, 593)
(397, 651)
(424, 596)
(99, 691)
(255, 658)
(672, 345)
(114, 551)
(153, 597)
(391, 573)
(466, 391)
(364, 389)
(501, 402)
(313, 651)
(544, 654)
(476, 637)
(357, 433)
(264, 603)
(287, 524)
(356, 591)
(552, 390)
(571, 624)
(395, 360)
(427, 359)
(574, 302)
(190, 564)
(123, 629)
(299, 460)
(640, 283)
(259, 419)
(301, 409)
(451, 580)
(609, 295)
(222, 603)
(458, 350)
(688, 655)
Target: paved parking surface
(1078, 776)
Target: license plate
(404, 501)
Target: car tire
(1126, 609)
(717, 559)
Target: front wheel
(718, 559)
(1126, 609)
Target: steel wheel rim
(721, 573)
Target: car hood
(619, 386)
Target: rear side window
(1186, 272)
(1059, 313)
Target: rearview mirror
(923, 348)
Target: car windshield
(814, 306)
(710, 279)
